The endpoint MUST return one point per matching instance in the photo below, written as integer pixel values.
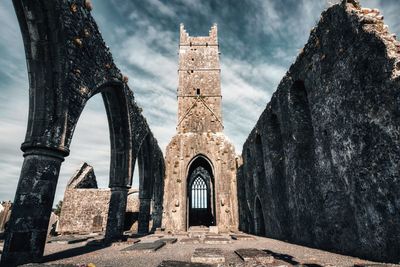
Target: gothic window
(199, 194)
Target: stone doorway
(201, 195)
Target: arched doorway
(200, 193)
(259, 225)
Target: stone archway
(151, 176)
(200, 193)
(68, 64)
(146, 181)
(259, 223)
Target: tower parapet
(211, 39)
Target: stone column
(27, 229)
(144, 215)
(157, 217)
(116, 213)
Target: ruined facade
(321, 166)
(68, 63)
(200, 182)
(85, 207)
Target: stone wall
(179, 154)
(84, 211)
(85, 208)
(5, 213)
(321, 166)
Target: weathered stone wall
(199, 134)
(80, 207)
(321, 167)
(85, 208)
(180, 152)
(5, 213)
(68, 63)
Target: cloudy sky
(259, 39)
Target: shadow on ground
(290, 259)
(72, 252)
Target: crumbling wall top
(83, 178)
(365, 24)
(211, 39)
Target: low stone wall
(321, 167)
(84, 211)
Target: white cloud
(162, 8)
(246, 89)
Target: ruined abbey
(321, 167)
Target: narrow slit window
(198, 91)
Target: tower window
(191, 71)
(192, 59)
(198, 91)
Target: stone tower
(200, 182)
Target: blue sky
(259, 39)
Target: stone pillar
(25, 236)
(144, 215)
(116, 213)
(157, 217)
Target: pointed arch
(259, 222)
(200, 192)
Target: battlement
(186, 39)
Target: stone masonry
(85, 207)
(321, 166)
(68, 63)
(199, 141)
(5, 212)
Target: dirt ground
(285, 254)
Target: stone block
(214, 229)
(254, 255)
(190, 240)
(183, 264)
(208, 255)
(145, 247)
(168, 240)
(242, 237)
(216, 240)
